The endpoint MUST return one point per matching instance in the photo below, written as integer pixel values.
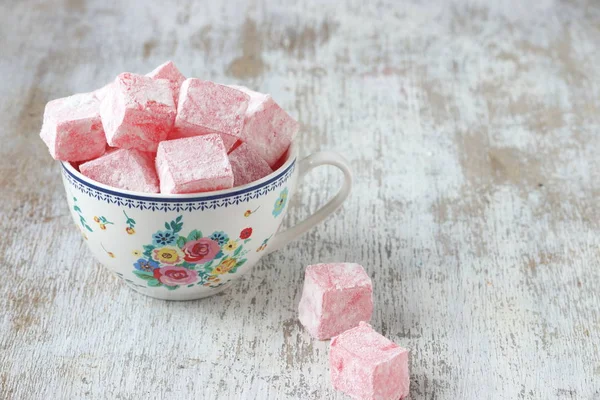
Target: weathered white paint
(472, 128)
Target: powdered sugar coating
(247, 166)
(335, 297)
(137, 112)
(72, 128)
(193, 165)
(366, 365)
(228, 141)
(337, 276)
(256, 98)
(171, 73)
(100, 94)
(206, 107)
(127, 169)
(267, 127)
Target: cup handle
(316, 160)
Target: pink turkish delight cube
(282, 160)
(137, 112)
(336, 297)
(366, 365)
(205, 107)
(247, 166)
(193, 165)
(72, 128)
(172, 74)
(127, 169)
(267, 127)
(230, 142)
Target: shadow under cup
(180, 247)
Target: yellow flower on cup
(225, 266)
(109, 253)
(137, 253)
(250, 212)
(231, 245)
(168, 255)
(102, 222)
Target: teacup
(185, 247)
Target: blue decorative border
(178, 204)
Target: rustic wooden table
(473, 131)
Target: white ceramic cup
(189, 246)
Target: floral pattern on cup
(82, 220)
(248, 213)
(173, 276)
(263, 244)
(246, 233)
(201, 250)
(145, 265)
(280, 203)
(168, 255)
(108, 253)
(174, 260)
(130, 222)
(102, 222)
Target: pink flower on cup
(200, 251)
(174, 276)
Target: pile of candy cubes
(161, 132)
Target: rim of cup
(291, 157)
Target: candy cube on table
(335, 297)
(169, 72)
(205, 107)
(127, 169)
(366, 365)
(247, 166)
(192, 165)
(72, 128)
(267, 127)
(137, 112)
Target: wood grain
(473, 129)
